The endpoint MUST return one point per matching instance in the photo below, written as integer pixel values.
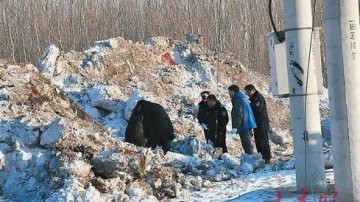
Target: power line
(280, 37)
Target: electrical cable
(282, 39)
(278, 35)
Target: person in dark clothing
(258, 106)
(242, 118)
(203, 107)
(156, 125)
(217, 118)
(134, 132)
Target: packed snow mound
(35, 119)
(62, 120)
(103, 79)
(52, 150)
(107, 80)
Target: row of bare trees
(239, 26)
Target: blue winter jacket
(242, 116)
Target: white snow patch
(324, 98)
(52, 134)
(227, 190)
(2, 161)
(102, 96)
(47, 61)
(131, 103)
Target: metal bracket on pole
(306, 136)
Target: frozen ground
(231, 189)
(61, 125)
(265, 185)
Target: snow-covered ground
(59, 136)
(233, 188)
(264, 185)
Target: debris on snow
(60, 124)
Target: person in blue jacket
(242, 118)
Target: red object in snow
(166, 58)
(302, 198)
(30, 94)
(322, 198)
(335, 193)
(278, 196)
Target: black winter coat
(216, 118)
(258, 106)
(134, 132)
(203, 107)
(156, 122)
(149, 125)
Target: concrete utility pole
(342, 40)
(304, 100)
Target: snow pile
(59, 136)
(168, 72)
(52, 150)
(287, 165)
(249, 163)
(110, 104)
(127, 172)
(52, 134)
(192, 146)
(34, 119)
(201, 159)
(47, 62)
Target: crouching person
(217, 119)
(150, 126)
(134, 132)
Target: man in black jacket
(258, 106)
(150, 125)
(217, 118)
(203, 107)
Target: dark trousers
(262, 140)
(166, 146)
(209, 135)
(245, 138)
(218, 140)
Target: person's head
(250, 90)
(211, 100)
(204, 95)
(233, 89)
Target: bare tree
(238, 26)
